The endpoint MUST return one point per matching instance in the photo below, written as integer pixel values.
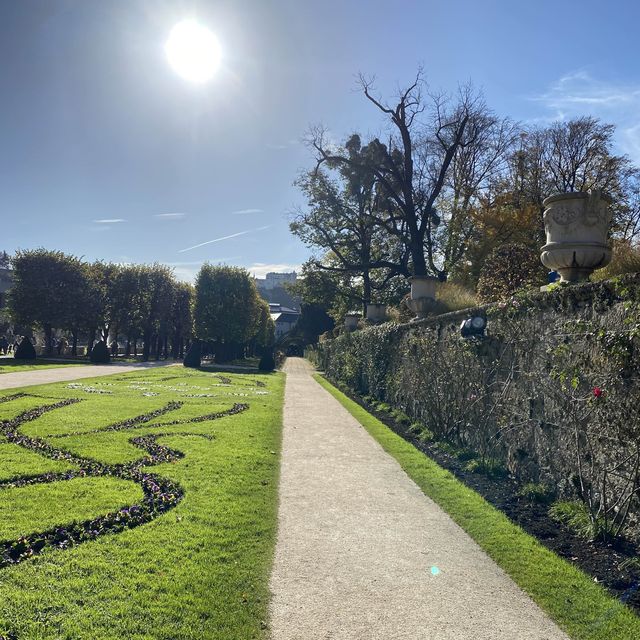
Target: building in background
(272, 288)
(275, 280)
(284, 318)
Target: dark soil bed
(599, 560)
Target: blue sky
(108, 153)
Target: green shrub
(267, 362)
(193, 358)
(464, 454)
(100, 353)
(447, 448)
(25, 350)
(575, 515)
(488, 467)
(400, 417)
(425, 435)
(510, 268)
(535, 492)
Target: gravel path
(363, 554)
(61, 374)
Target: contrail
(233, 235)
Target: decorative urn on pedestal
(376, 312)
(576, 225)
(423, 295)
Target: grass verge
(578, 605)
(198, 569)
(10, 365)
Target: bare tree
(578, 156)
(414, 169)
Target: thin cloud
(170, 216)
(233, 235)
(578, 94)
(109, 220)
(245, 211)
(195, 263)
(282, 145)
(578, 90)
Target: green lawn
(580, 606)
(11, 365)
(170, 524)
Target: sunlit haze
(193, 51)
(156, 130)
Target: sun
(193, 51)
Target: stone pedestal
(376, 313)
(423, 295)
(351, 321)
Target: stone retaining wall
(552, 392)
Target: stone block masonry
(552, 392)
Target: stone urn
(576, 225)
(351, 321)
(376, 313)
(423, 295)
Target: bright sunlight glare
(193, 51)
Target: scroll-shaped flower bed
(160, 494)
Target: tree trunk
(175, 345)
(366, 291)
(135, 347)
(48, 346)
(146, 345)
(92, 339)
(417, 257)
(74, 342)
(127, 349)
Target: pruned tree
(154, 303)
(47, 286)
(226, 310)
(181, 318)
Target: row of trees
(101, 301)
(142, 304)
(450, 182)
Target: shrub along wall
(552, 392)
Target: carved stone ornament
(576, 225)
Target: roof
(276, 307)
(285, 317)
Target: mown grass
(10, 365)
(580, 606)
(15, 461)
(197, 571)
(36, 507)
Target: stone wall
(552, 392)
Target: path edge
(582, 608)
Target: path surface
(72, 372)
(358, 539)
